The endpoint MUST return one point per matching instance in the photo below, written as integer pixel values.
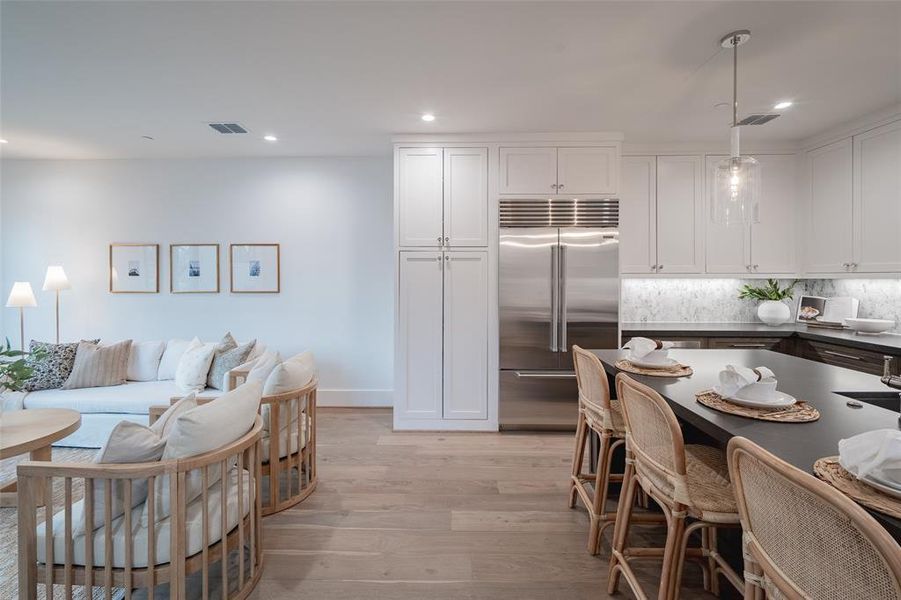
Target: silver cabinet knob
(553, 186)
(446, 239)
(659, 267)
(756, 266)
(446, 257)
(853, 265)
(560, 186)
(439, 238)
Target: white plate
(870, 325)
(891, 490)
(779, 400)
(669, 363)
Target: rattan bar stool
(805, 539)
(688, 482)
(603, 416)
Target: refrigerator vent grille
(559, 213)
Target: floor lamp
(56, 280)
(19, 297)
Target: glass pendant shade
(736, 188)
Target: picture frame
(194, 268)
(134, 268)
(255, 268)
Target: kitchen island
(800, 444)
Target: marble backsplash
(716, 300)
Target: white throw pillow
(264, 366)
(258, 350)
(128, 442)
(203, 429)
(144, 360)
(163, 425)
(194, 366)
(171, 356)
(291, 375)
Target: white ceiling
(88, 79)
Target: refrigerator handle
(555, 288)
(561, 300)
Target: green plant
(770, 291)
(14, 367)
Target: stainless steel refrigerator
(558, 286)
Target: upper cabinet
(442, 197)
(854, 206)
(638, 215)
(564, 170)
(768, 246)
(877, 200)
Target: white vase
(773, 312)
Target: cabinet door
(419, 196)
(466, 335)
(637, 215)
(774, 238)
(466, 196)
(727, 248)
(829, 210)
(877, 200)
(528, 171)
(420, 298)
(586, 170)
(680, 207)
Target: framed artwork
(255, 268)
(194, 268)
(134, 268)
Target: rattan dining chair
(597, 413)
(805, 539)
(687, 481)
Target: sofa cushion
(132, 398)
(163, 425)
(99, 366)
(226, 360)
(171, 356)
(263, 367)
(144, 360)
(52, 370)
(194, 366)
(292, 374)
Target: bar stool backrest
(594, 391)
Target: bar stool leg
(621, 528)
(578, 457)
(602, 477)
(671, 553)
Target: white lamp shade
(56, 279)
(21, 295)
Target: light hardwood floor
(439, 516)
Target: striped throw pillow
(99, 366)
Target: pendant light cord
(735, 81)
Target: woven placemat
(678, 371)
(799, 412)
(829, 470)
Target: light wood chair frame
(35, 477)
(676, 550)
(762, 573)
(303, 461)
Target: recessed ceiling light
(428, 117)
(2, 141)
(783, 104)
(270, 138)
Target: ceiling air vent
(758, 119)
(227, 127)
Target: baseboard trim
(352, 398)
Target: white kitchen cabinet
(829, 213)
(442, 369)
(466, 196)
(420, 305)
(638, 215)
(877, 200)
(465, 335)
(768, 246)
(680, 221)
(588, 170)
(420, 196)
(528, 171)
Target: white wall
(332, 217)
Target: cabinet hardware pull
(748, 345)
(755, 267)
(553, 186)
(840, 355)
(560, 186)
(545, 374)
(659, 267)
(853, 265)
(446, 257)
(446, 239)
(439, 238)
(846, 265)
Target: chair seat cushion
(283, 441)
(194, 542)
(135, 397)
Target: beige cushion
(163, 425)
(128, 442)
(225, 361)
(292, 374)
(204, 429)
(194, 365)
(258, 349)
(266, 440)
(264, 366)
(144, 360)
(171, 356)
(99, 366)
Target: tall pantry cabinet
(443, 292)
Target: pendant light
(736, 186)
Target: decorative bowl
(870, 325)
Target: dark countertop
(886, 342)
(800, 444)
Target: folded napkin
(874, 454)
(733, 378)
(641, 346)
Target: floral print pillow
(52, 369)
